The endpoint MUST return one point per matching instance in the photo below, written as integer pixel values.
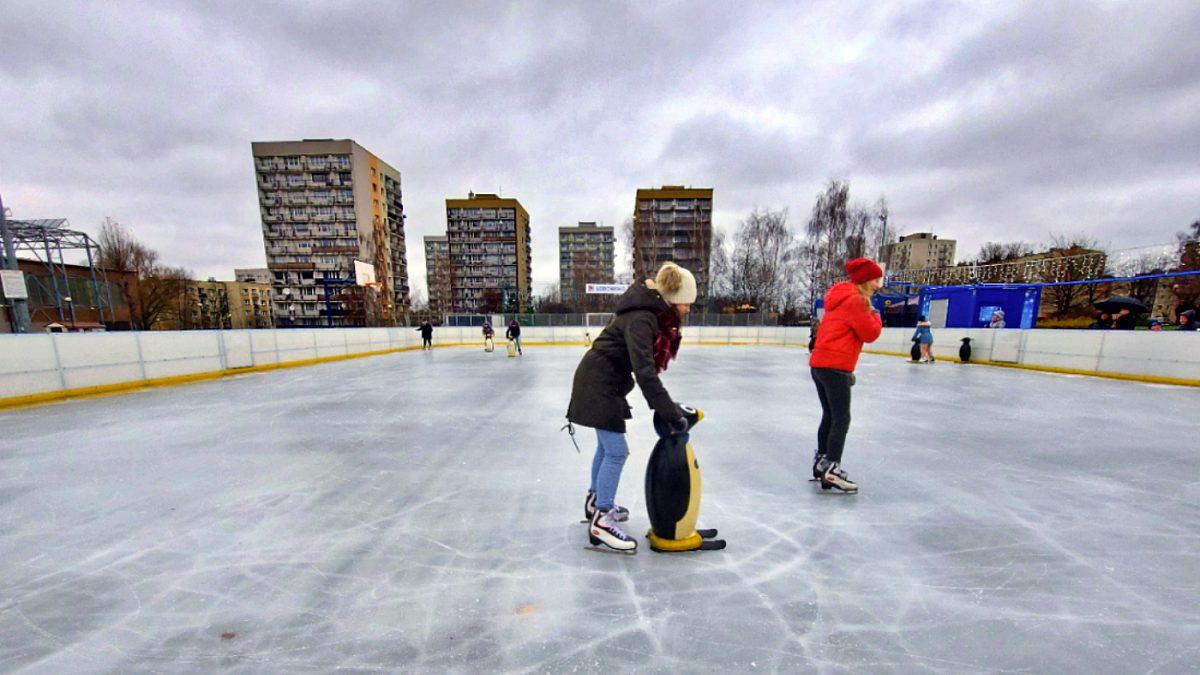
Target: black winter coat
(625, 346)
(426, 331)
(513, 332)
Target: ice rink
(420, 511)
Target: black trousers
(427, 342)
(833, 388)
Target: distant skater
(514, 333)
(641, 339)
(849, 321)
(489, 335)
(426, 331)
(924, 337)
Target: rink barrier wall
(42, 368)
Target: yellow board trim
(124, 387)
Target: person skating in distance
(637, 344)
(923, 336)
(849, 321)
(514, 333)
(489, 334)
(426, 331)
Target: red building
(69, 297)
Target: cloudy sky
(977, 121)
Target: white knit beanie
(675, 284)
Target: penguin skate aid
(673, 490)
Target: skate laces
(838, 471)
(608, 522)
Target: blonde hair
(865, 291)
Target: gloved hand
(679, 426)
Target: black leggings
(833, 388)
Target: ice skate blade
(601, 548)
(838, 491)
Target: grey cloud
(146, 112)
(718, 150)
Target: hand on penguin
(677, 427)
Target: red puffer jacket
(846, 326)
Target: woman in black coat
(637, 345)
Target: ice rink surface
(420, 511)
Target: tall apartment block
(437, 273)
(673, 223)
(326, 203)
(585, 256)
(919, 251)
(490, 254)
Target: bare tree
(718, 267)
(996, 252)
(764, 266)
(1076, 257)
(827, 229)
(160, 287)
(882, 215)
(1186, 290)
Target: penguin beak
(699, 415)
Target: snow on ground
(420, 511)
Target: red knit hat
(862, 270)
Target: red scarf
(666, 343)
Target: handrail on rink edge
(946, 344)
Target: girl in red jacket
(849, 321)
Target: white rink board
(38, 364)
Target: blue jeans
(611, 451)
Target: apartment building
(919, 251)
(253, 275)
(585, 256)
(437, 273)
(324, 204)
(490, 254)
(673, 223)
(218, 305)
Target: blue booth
(973, 306)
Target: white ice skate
(834, 478)
(603, 529)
